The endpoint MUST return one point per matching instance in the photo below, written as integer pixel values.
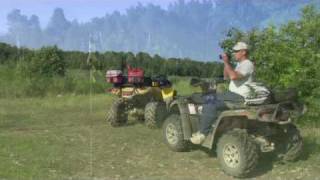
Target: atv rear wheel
(237, 152)
(291, 145)
(173, 135)
(117, 115)
(155, 113)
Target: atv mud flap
(208, 141)
(185, 121)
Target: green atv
(240, 133)
(141, 97)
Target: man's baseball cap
(240, 46)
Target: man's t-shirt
(246, 69)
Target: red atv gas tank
(114, 76)
(135, 75)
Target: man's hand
(225, 58)
(228, 71)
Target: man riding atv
(239, 124)
(241, 83)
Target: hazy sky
(83, 10)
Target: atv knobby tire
(117, 115)
(154, 115)
(292, 144)
(237, 153)
(173, 134)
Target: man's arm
(228, 70)
(225, 74)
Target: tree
(48, 61)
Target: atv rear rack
(280, 113)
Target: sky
(83, 10)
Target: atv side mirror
(219, 80)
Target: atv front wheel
(155, 113)
(117, 115)
(237, 153)
(173, 135)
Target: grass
(68, 138)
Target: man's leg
(206, 120)
(209, 113)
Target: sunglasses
(235, 51)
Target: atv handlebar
(199, 82)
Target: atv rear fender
(245, 118)
(228, 120)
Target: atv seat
(230, 96)
(197, 98)
(231, 100)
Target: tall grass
(181, 85)
(75, 82)
(12, 84)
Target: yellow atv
(142, 97)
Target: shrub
(48, 61)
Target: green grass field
(68, 138)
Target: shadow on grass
(311, 145)
(268, 160)
(134, 121)
(265, 165)
(131, 121)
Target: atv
(138, 96)
(240, 133)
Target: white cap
(240, 46)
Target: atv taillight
(127, 94)
(113, 91)
(282, 115)
(266, 114)
(266, 111)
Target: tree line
(54, 61)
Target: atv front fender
(184, 115)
